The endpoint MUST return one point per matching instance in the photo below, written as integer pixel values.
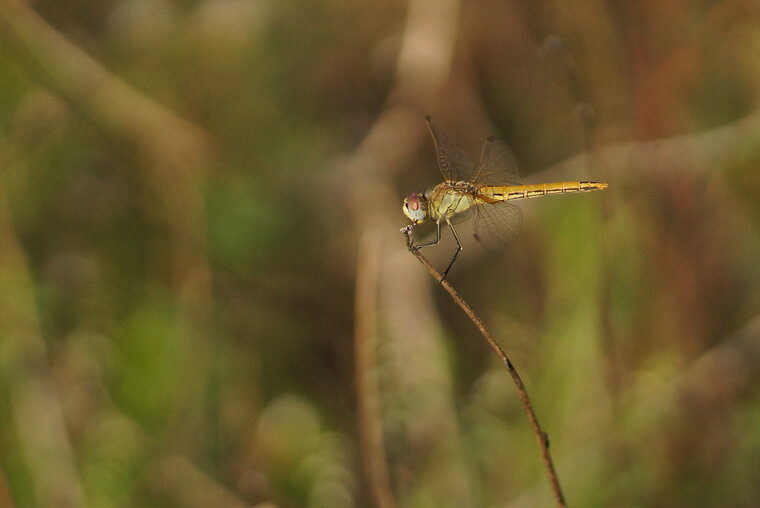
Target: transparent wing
(460, 217)
(497, 165)
(453, 162)
(497, 225)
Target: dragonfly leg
(434, 242)
(456, 254)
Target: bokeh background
(205, 299)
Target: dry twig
(541, 437)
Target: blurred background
(205, 299)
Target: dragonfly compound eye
(415, 207)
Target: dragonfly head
(415, 207)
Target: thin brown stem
(541, 437)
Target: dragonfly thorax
(449, 199)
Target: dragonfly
(483, 191)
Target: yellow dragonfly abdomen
(505, 193)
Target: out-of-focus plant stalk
(365, 342)
(25, 375)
